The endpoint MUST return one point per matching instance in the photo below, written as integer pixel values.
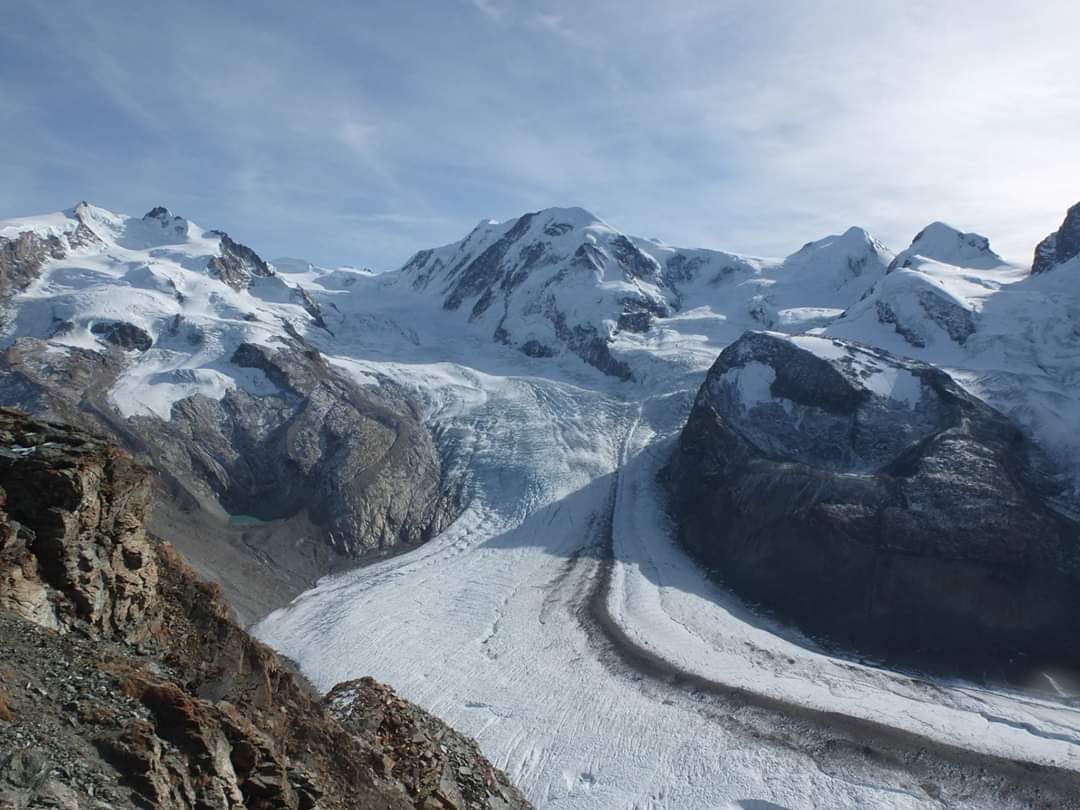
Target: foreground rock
(124, 684)
(876, 504)
(451, 773)
(71, 530)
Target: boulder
(126, 335)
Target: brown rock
(80, 505)
(187, 708)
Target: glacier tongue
(487, 624)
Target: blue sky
(359, 132)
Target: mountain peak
(943, 243)
(572, 213)
(1060, 246)
(158, 212)
(557, 221)
(856, 232)
(84, 210)
(855, 241)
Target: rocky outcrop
(453, 772)
(876, 504)
(587, 343)
(914, 306)
(22, 258)
(127, 336)
(638, 314)
(1060, 246)
(72, 545)
(134, 689)
(358, 460)
(237, 264)
(312, 307)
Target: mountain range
(873, 453)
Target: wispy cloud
(490, 8)
(359, 138)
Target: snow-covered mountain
(195, 353)
(1009, 335)
(561, 279)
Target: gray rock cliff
(874, 503)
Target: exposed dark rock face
(72, 546)
(558, 228)
(348, 469)
(958, 322)
(634, 320)
(313, 308)
(876, 504)
(886, 314)
(480, 275)
(22, 258)
(633, 262)
(638, 314)
(360, 461)
(955, 320)
(196, 714)
(587, 343)
(126, 335)
(1061, 245)
(165, 218)
(237, 263)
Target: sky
(359, 132)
